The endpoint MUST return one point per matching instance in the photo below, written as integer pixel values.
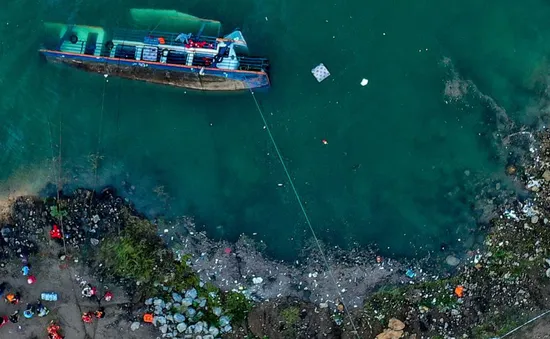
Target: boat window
(150, 54)
(125, 52)
(91, 43)
(174, 57)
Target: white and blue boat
(187, 59)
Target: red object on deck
(55, 233)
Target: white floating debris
(257, 280)
(105, 75)
(320, 72)
(364, 82)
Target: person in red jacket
(55, 233)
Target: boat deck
(159, 47)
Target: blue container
(48, 296)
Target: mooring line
(308, 221)
(526, 323)
(99, 134)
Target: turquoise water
(402, 160)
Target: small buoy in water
(511, 169)
(324, 142)
(364, 82)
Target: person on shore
(3, 321)
(100, 313)
(89, 291)
(14, 317)
(13, 298)
(3, 288)
(53, 331)
(41, 309)
(29, 311)
(87, 317)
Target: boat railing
(127, 51)
(163, 38)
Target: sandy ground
(61, 277)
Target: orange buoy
(148, 317)
(459, 291)
(162, 41)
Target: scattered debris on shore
(200, 288)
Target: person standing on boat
(184, 38)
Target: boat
(185, 57)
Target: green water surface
(394, 171)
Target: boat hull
(195, 78)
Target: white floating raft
(320, 72)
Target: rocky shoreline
(200, 288)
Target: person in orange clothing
(459, 291)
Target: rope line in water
(303, 210)
(527, 322)
(99, 133)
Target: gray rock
(179, 318)
(134, 326)
(452, 260)
(177, 297)
(170, 318)
(198, 327)
(159, 320)
(202, 302)
(213, 331)
(159, 302)
(190, 312)
(149, 301)
(94, 241)
(224, 321)
(163, 329)
(192, 293)
(187, 302)
(227, 329)
(217, 311)
(208, 336)
(181, 327)
(158, 310)
(546, 175)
